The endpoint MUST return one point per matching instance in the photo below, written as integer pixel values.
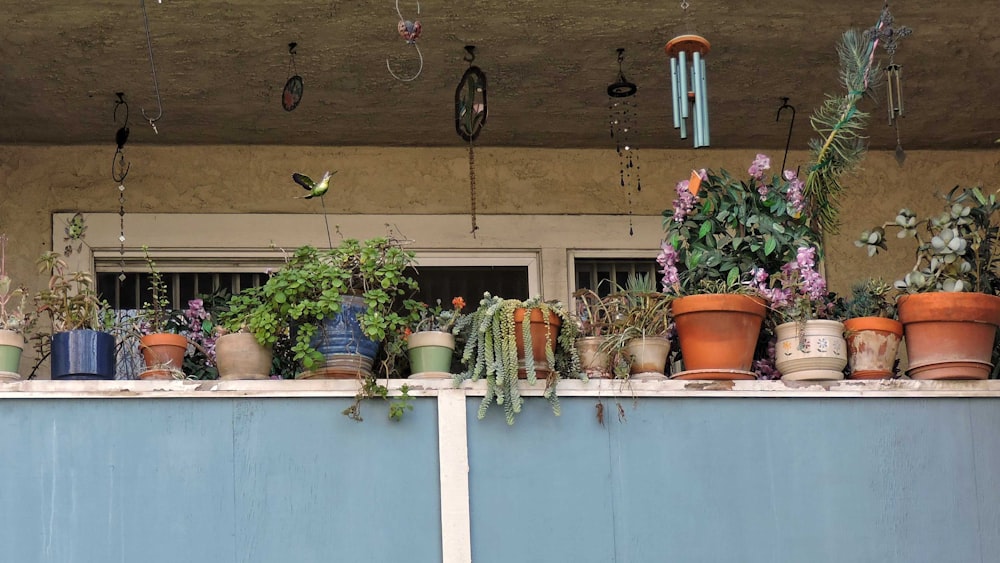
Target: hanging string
(119, 170)
(410, 32)
(152, 67)
(472, 187)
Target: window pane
(470, 282)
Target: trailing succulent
(490, 351)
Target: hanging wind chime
(410, 32)
(119, 170)
(622, 110)
(291, 94)
(470, 117)
(689, 84)
(889, 37)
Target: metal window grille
(603, 275)
(133, 291)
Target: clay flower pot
(239, 356)
(872, 344)
(949, 335)
(163, 350)
(595, 364)
(718, 334)
(541, 333)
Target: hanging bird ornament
(316, 189)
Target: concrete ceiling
(221, 67)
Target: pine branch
(840, 124)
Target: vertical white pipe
(698, 100)
(674, 87)
(682, 70)
(704, 105)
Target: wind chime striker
(470, 116)
(689, 85)
(622, 110)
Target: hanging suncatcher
(470, 117)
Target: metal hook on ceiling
(470, 54)
(410, 32)
(156, 87)
(785, 105)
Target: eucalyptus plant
(956, 250)
(490, 350)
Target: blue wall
(216, 480)
(745, 480)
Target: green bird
(315, 188)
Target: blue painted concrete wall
(216, 480)
(716, 480)
(739, 480)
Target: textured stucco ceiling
(221, 66)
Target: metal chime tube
(682, 70)
(674, 87)
(696, 88)
(704, 105)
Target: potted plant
(161, 343)
(79, 346)
(246, 333)
(341, 304)
(15, 319)
(510, 339)
(431, 345)
(641, 329)
(873, 333)
(722, 229)
(949, 307)
(594, 318)
(808, 340)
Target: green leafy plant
(156, 315)
(871, 297)
(14, 312)
(438, 318)
(70, 299)
(637, 310)
(490, 350)
(957, 250)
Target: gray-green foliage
(490, 351)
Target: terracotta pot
(811, 351)
(163, 350)
(949, 335)
(540, 334)
(718, 331)
(161, 374)
(430, 353)
(648, 356)
(595, 364)
(872, 343)
(240, 356)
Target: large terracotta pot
(718, 333)
(163, 350)
(872, 344)
(813, 350)
(540, 334)
(949, 335)
(240, 356)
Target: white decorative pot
(809, 351)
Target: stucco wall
(37, 181)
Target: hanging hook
(410, 32)
(470, 54)
(291, 48)
(788, 141)
(152, 66)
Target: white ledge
(45, 389)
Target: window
(604, 275)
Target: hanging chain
(118, 173)
(472, 187)
(685, 5)
(121, 235)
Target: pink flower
(667, 259)
(761, 163)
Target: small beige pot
(240, 356)
(649, 357)
(594, 362)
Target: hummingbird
(315, 188)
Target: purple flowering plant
(730, 232)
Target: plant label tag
(695, 183)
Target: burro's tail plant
(490, 350)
